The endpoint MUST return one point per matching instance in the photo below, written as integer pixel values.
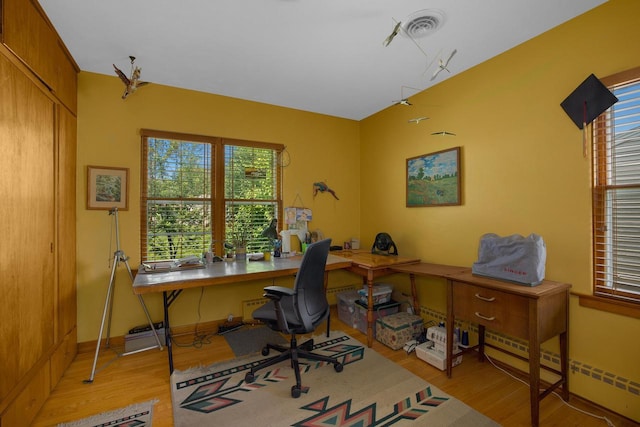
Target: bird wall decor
(322, 188)
(444, 133)
(131, 83)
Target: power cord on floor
(605, 419)
(199, 339)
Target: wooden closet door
(27, 274)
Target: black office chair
(297, 311)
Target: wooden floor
(145, 376)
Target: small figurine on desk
(277, 248)
(384, 245)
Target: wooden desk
(172, 283)
(534, 313)
(426, 269)
(370, 267)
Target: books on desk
(172, 264)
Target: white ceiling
(322, 56)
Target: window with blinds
(616, 192)
(251, 195)
(200, 191)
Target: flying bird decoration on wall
(418, 120)
(131, 83)
(322, 188)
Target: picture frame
(434, 179)
(107, 188)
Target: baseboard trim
(210, 327)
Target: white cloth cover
(514, 258)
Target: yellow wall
(522, 172)
(321, 148)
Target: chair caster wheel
(338, 367)
(249, 378)
(265, 351)
(295, 391)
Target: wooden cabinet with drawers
(535, 314)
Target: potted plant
(239, 241)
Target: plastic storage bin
(379, 310)
(347, 307)
(381, 293)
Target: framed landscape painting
(107, 188)
(434, 179)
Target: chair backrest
(310, 300)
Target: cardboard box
(395, 330)
(436, 358)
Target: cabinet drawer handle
(485, 317)
(485, 298)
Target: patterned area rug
(370, 391)
(137, 415)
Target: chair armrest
(277, 292)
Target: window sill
(606, 304)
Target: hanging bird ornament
(393, 35)
(322, 188)
(442, 65)
(131, 83)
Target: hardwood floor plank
(145, 376)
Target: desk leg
(167, 330)
(414, 294)
(370, 309)
(564, 350)
(326, 285)
(450, 321)
(534, 363)
(564, 365)
(481, 330)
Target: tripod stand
(118, 257)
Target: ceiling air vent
(423, 23)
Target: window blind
(252, 194)
(178, 202)
(616, 192)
